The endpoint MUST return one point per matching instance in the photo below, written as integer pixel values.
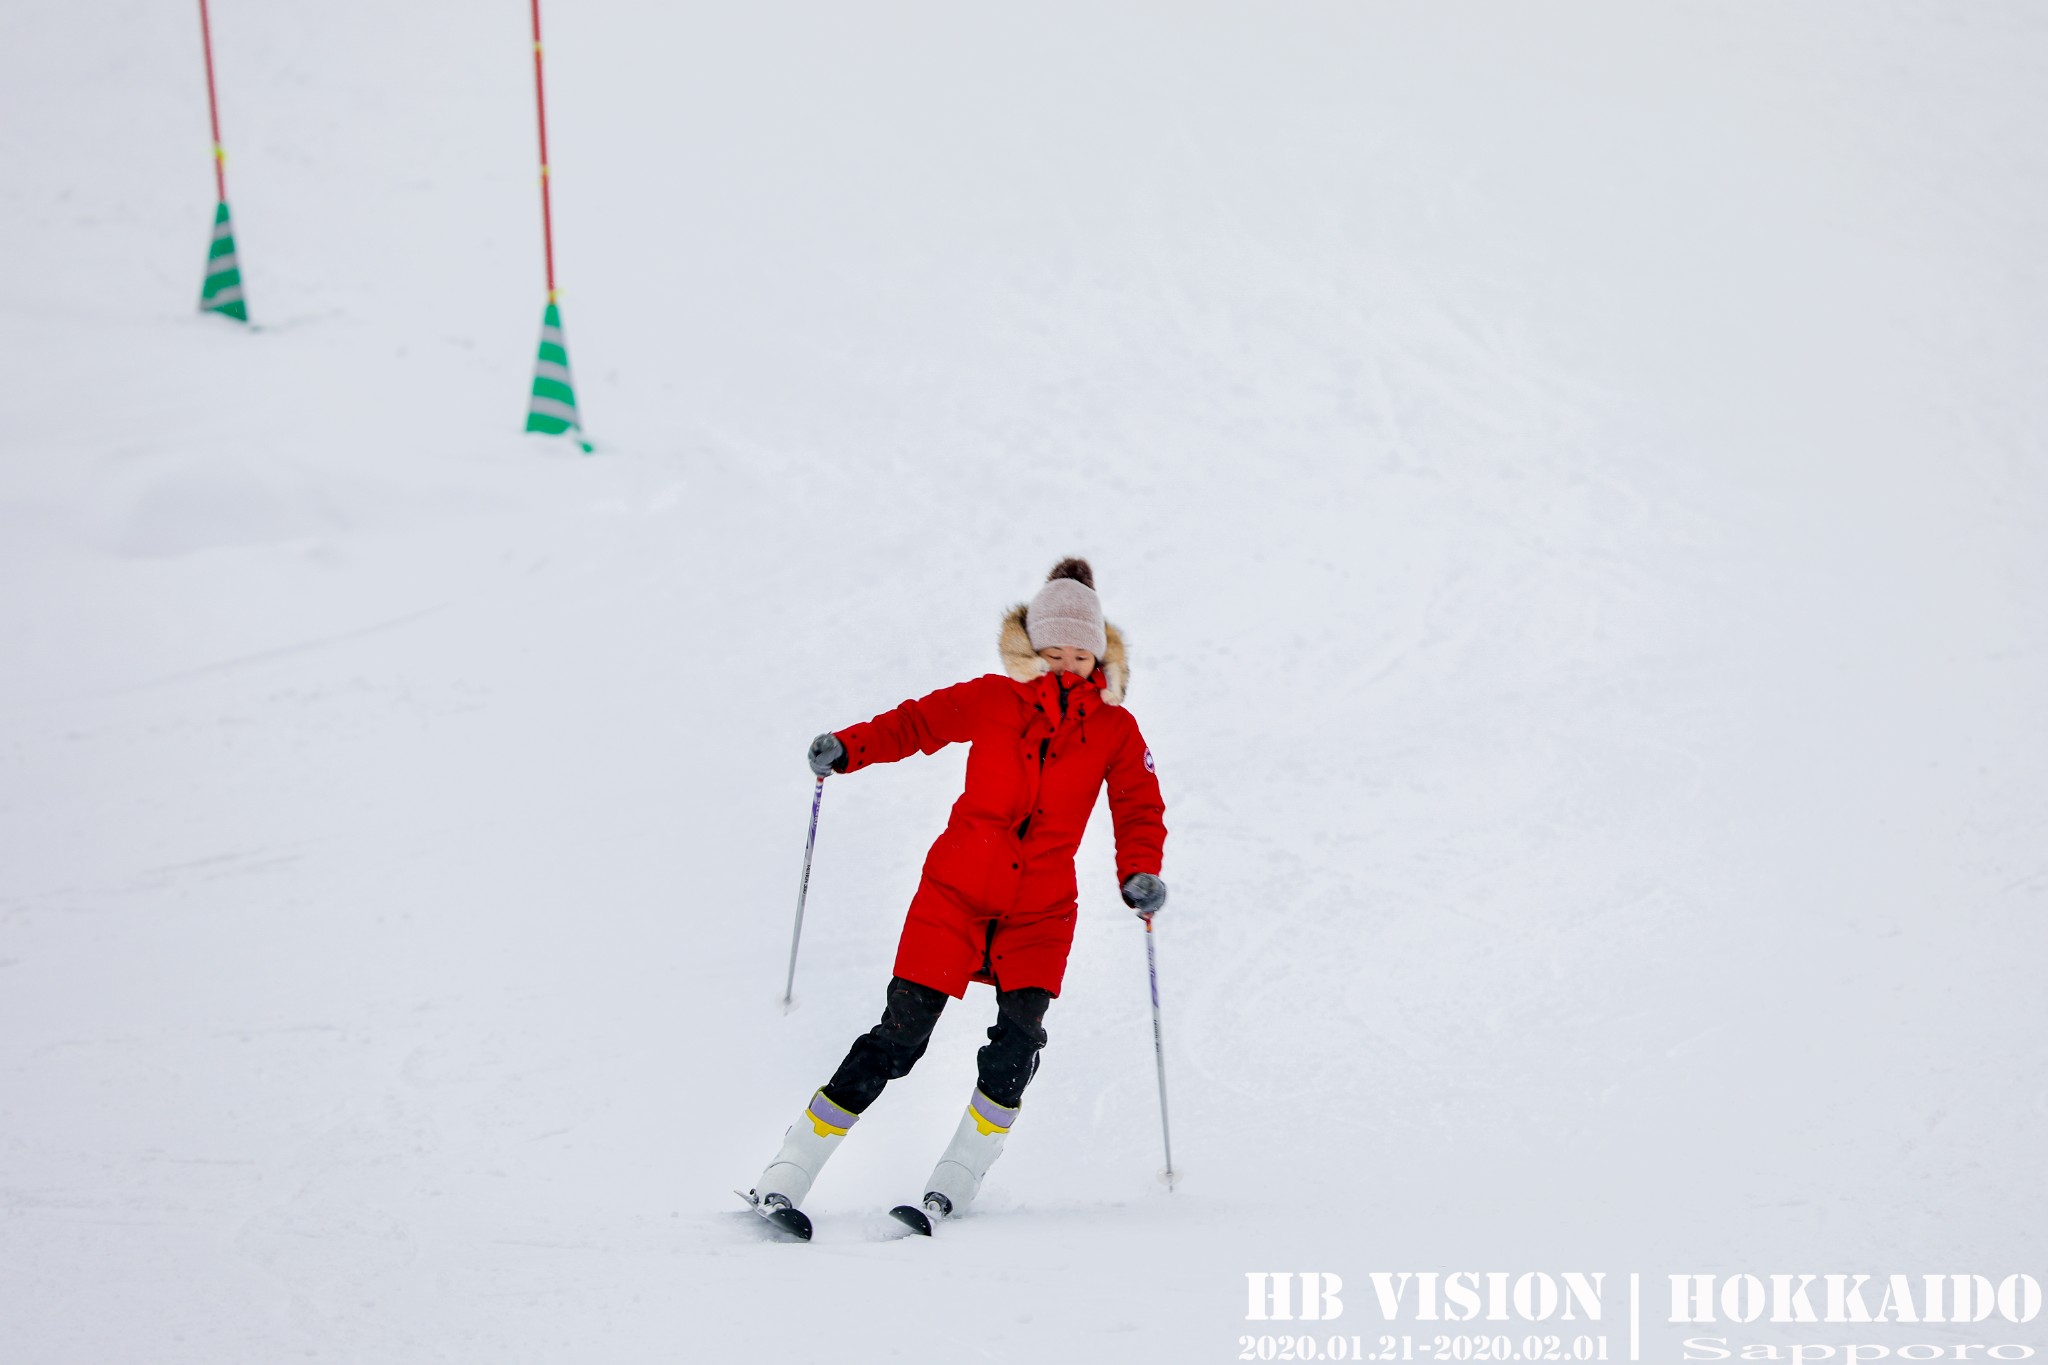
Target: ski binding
(781, 1214)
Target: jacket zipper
(1043, 745)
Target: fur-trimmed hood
(1022, 663)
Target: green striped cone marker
(222, 292)
(552, 410)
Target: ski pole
(1159, 1050)
(804, 890)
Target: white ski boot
(806, 1147)
(976, 1144)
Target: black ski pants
(889, 1049)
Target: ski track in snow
(1573, 485)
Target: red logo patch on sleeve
(1148, 763)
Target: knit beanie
(1067, 611)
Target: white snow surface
(1574, 479)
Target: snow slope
(1573, 482)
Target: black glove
(1145, 894)
(827, 754)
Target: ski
(921, 1219)
(791, 1222)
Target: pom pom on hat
(1067, 612)
(1076, 569)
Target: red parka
(997, 901)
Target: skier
(997, 899)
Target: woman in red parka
(997, 900)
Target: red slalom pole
(220, 156)
(540, 104)
(221, 291)
(552, 408)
